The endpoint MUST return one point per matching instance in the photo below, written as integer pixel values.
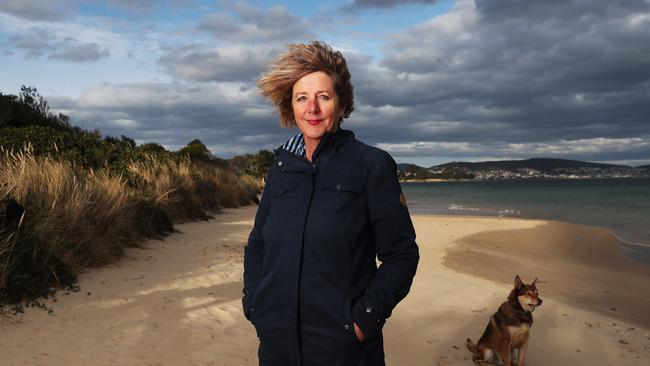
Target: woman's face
(315, 105)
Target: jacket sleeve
(254, 250)
(394, 238)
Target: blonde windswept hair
(276, 82)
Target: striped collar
(295, 145)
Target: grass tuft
(75, 217)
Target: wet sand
(580, 265)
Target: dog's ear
(534, 282)
(518, 283)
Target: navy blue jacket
(309, 265)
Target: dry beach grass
(76, 218)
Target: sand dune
(177, 302)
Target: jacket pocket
(344, 193)
(349, 320)
(247, 303)
(282, 185)
(264, 309)
(343, 184)
(284, 196)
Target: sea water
(621, 205)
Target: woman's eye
(301, 98)
(324, 97)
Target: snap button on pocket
(349, 185)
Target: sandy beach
(178, 301)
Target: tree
(254, 164)
(29, 108)
(196, 150)
(129, 141)
(152, 148)
(30, 97)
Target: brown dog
(509, 328)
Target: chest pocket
(283, 185)
(284, 195)
(343, 194)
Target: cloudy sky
(435, 80)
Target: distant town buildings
(483, 171)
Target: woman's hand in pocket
(358, 332)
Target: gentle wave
(500, 213)
(508, 212)
(455, 207)
(644, 245)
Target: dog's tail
(471, 346)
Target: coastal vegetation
(72, 199)
(255, 165)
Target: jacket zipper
(302, 242)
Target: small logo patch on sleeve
(402, 199)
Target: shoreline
(617, 203)
(587, 265)
(642, 255)
(178, 301)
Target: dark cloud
(253, 37)
(201, 63)
(242, 22)
(38, 42)
(531, 72)
(364, 4)
(140, 6)
(75, 51)
(488, 80)
(596, 149)
(49, 10)
(230, 118)
(35, 42)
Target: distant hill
(644, 167)
(520, 169)
(412, 168)
(546, 165)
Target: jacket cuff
(367, 318)
(246, 302)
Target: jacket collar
(295, 145)
(294, 148)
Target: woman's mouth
(314, 122)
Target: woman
(331, 204)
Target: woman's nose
(313, 105)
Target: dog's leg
(522, 354)
(488, 355)
(477, 352)
(514, 354)
(498, 359)
(477, 358)
(505, 351)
